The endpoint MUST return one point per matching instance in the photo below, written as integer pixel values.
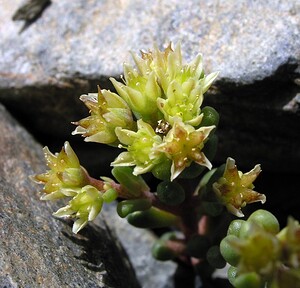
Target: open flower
(140, 148)
(183, 144)
(65, 177)
(108, 111)
(85, 206)
(183, 86)
(163, 87)
(235, 189)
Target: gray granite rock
(37, 250)
(137, 243)
(76, 45)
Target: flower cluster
(66, 178)
(260, 253)
(156, 117)
(165, 97)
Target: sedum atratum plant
(157, 120)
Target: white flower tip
(78, 225)
(33, 178)
(230, 163)
(234, 211)
(257, 169)
(262, 198)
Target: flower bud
(231, 274)
(228, 250)
(266, 220)
(140, 92)
(235, 227)
(248, 280)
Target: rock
(37, 250)
(137, 243)
(76, 45)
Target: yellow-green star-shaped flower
(65, 177)
(108, 111)
(85, 206)
(183, 144)
(235, 189)
(140, 148)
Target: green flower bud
(266, 220)
(228, 251)
(248, 280)
(231, 274)
(126, 207)
(152, 218)
(259, 250)
(140, 92)
(245, 230)
(170, 193)
(235, 227)
(197, 246)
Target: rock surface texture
(137, 244)
(76, 45)
(37, 250)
